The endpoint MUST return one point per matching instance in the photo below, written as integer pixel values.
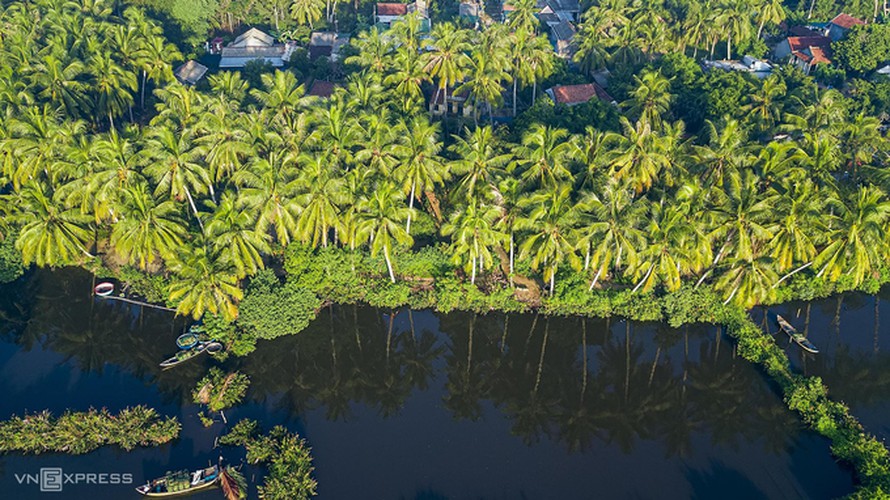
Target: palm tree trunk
(514, 97)
(511, 252)
(410, 207)
(645, 278)
(552, 280)
(792, 273)
(729, 46)
(142, 92)
(188, 195)
(595, 279)
(392, 276)
(760, 28)
(475, 250)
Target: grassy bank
(82, 432)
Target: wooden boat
(214, 348)
(104, 289)
(184, 355)
(796, 336)
(180, 483)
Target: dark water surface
(416, 405)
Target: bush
(82, 432)
(270, 310)
(11, 265)
(219, 390)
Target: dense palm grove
(210, 185)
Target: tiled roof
(796, 43)
(321, 88)
(846, 21)
(563, 31)
(577, 94)
(190, 72)
(813, 55)
(802, 31)
(392, 9)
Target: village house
(458, 104)
(562, 36)
(748, 64)
(805, 52)
(388, 13)
(190, 73)
(322, 89)
(839, 26)
(572, 95)
(564, 10)
(254, 45)
(471, 10)
(326, 44)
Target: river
(419, 405)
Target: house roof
(316, 51)
(563, 31)
(846, 21)
(392, 9)
(577, 94)
(321, 88)
(813, 55)
(798, 43)
(254, 52)
(253, 38)
(802, 31)
(190, 72)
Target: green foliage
(270, 310)
(863, 48)
(286, 454)
(152, 287)
(11, 265)
(82, 432)
(219, 390)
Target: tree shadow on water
(719, 481)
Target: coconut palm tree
(483, 84)
(766, 104)
(174, 166)
(419, 169)
(551, 222)
(473, 235)
(524, 16)
(480, 163)
(114, 86)
(321, 194)
(725, 153)
(769, 12)
(373, 51)
(307, 11)
(639, 154)
(857, 239)
(407, 78)
(650, 99)
(146, 229)
(379, 222)
(611, 229)
(676, 247)
(51, 234)
(282, 97)
(544, 155)
(268, 187)
(798, 224)
(447, 58)
(204, 282)
(232, 229)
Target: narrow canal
(417, 405)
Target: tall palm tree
(676, 247)
(373, 51)
(407, 79)
(174, 165)
(650, 99)
(232, 229)
(544, 155)
(611, 231)
(204, 282)
(307, 11)
(484, 77)
(480, 163)
(420, 168)
(268, 187)
(725, 153)
(473, 235)
(145, 228)
(62, 83)
(639, 155)
(447, 58)
(766, 104)
(769, 12)
(798, 216)
(857, 240)
(322, 192)
(734, 18)
(524, 16)
(114, 86)
(51, 234)
(380, 218)
(282, 97)
(551, 223)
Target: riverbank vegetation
(219, 390)
(286, 454)
(83, 432)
